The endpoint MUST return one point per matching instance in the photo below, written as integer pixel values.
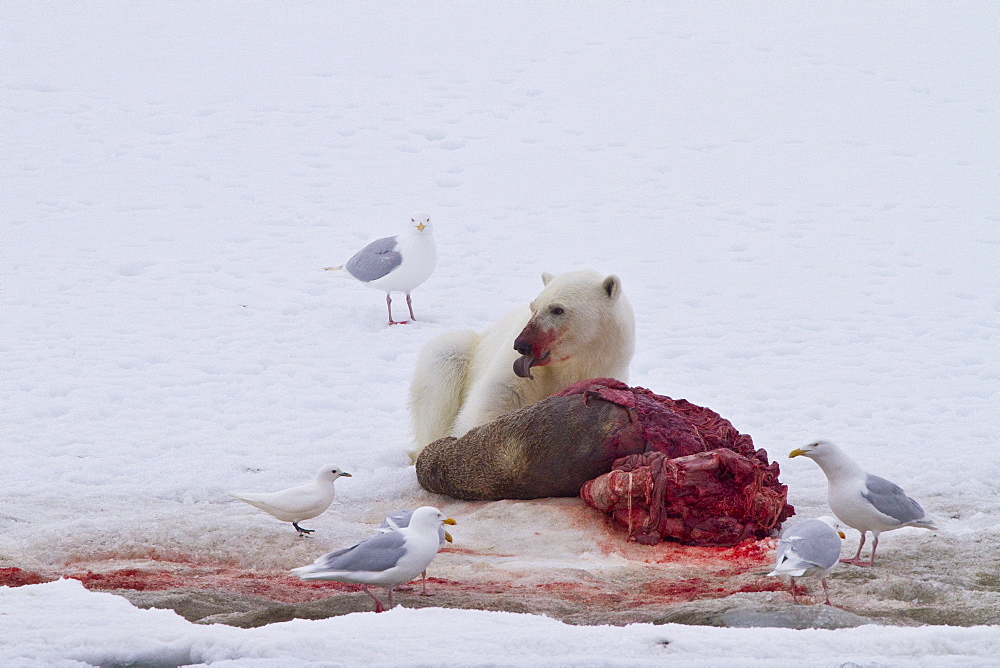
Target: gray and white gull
(809, 549)
(386, 560)
(397, 264)
(861, 500)
(401, 518)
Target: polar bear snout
(535, 341)
(534, 344)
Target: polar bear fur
(580, 326)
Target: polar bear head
(580, 318)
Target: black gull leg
(302, 532)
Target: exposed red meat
(709, 498)
(700, 482)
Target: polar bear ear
(546, 277)
(612, 286)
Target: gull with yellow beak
(395, 521)
(396, 264)
(809, 549)
(386, 560)
(861, 500)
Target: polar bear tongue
(522, 366)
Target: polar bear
(580, 326)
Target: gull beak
(447, 536)
(421, 227)
(796, 452)
(842, 535)
(345, 474)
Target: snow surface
(801, 201)
(436, 636)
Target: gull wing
(375, 260)
(890, 499)
(378, 553)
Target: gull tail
(788, 566)
(926, 522)
(255, 499)
(340, 271)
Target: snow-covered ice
(801, 201)
(436, 636)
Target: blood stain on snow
(770, 584)
(671, 590)
(747, 555)
(16, 577)
(688, 573)
(273, 586)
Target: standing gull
(397, 264)
(386, 560)
(809, 549)
(861, 500)
(295, 504)
(401, 518)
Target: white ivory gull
(809, 549)
(299, 503)
(397, 264)
(861, 500)
(387, 560)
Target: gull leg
(302, 532)
(874, 547)
(378, 604)
(826, 590)
(388, 305)
(392, 604)
(423, 582)
(795, 596)
(864, 535)
(409, 305)
(856, 559)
